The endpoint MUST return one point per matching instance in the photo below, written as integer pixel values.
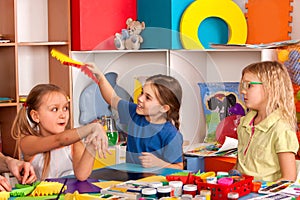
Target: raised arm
(106, 89)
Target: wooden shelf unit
(33, 27)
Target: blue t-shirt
(162, 140)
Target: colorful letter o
(199, 10)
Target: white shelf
(189, 66)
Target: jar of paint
(176, 188)
(155, 184)
(206, 193)
(190, 189)
(186, 197)
(200, 197)
(233, 196)
(149, 193)
(164, 191)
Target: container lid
(200, 197)
(190, 187)
(233, 195)
(149, 191)
(225, 181)
(205, 192)
(186, 197)
(164, 189)
(176, 183)
(155, 184)
(220, 173)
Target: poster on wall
(220, 100)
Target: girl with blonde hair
(44, 141)
(267, 141)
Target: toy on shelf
(66, 60)
(130, 37)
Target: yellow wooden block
(198, 11)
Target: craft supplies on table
(233, 196)
(219, 192)
(190, 189)
(164, 191)
(176, 188)
(149, 193)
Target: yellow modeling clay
(47, 188)
(4, 195)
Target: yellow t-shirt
(257, 150)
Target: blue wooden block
(162, 19)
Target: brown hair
(24, 125)
(278, 87)
(168, 92)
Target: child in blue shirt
(153, 139)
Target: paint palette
(276, 187)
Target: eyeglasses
(245, 85)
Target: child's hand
(95, 70)
(4, 184)
(149, 160)
(22, 170)
(98, 139)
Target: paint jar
(190, 189)
(225, 181)
(186, 197)
(256, 185)
(233, 196)
(205, 193)
(164, 191)
(211, 179)
(176, 188)
(111, 130)
(200, 197)
(221, 174)
(155, 184)
(149, 193)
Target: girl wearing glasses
(267, 141)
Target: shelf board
(121, 51)
(43, 43)
(8, 104)
(8, 44)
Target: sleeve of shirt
(287, 142)
(173, 152)
(126, 109)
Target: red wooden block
(94, 22)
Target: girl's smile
(149, 106)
